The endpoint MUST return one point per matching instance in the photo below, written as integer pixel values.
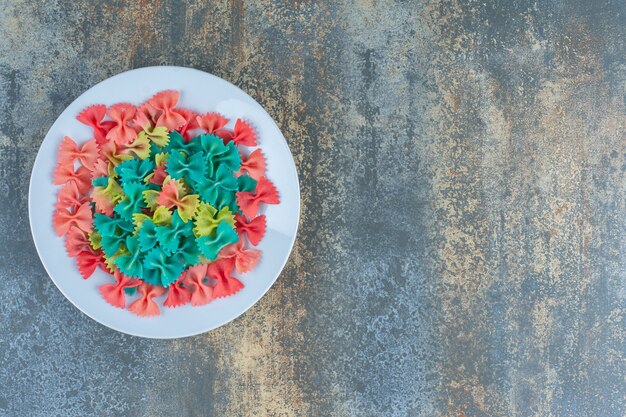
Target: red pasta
(221, 270)
(165, 101)
(245, 259)
(103, 203)
(114, 294)
(146, 117)
(254, 164)
(178, 294)
(69, 197)
(159, 174)
(191, 123)
(88, 261)
(100, 169)
(201, 291)
(70, 152)
(265, 193)
(243, 134)
(63, 219)
(76, 241)
(211, 122)
(93, 117)
(253, 229)
(168, 197)
(145, 305)
(81, 177)
(122, 114)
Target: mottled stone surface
(461, 248)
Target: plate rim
(190, 333)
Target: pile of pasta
(163, 199)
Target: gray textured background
(461, 249)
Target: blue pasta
(191, 168)
(147, 235)
(212, 145)
(100, 181)
(108, 226)
(134, 170)
(169, 236)
(112, 243)
(233, 206)
(154, 150)
(219, 188)
(160, 268)
(131, 264)
(210, 246)
(153, 186)
(133, 201)
(188, 250)
(226, 198)
(130, 291)
(230, 159)
(246, 183)
(213, 148)
(177, 143)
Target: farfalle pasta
(163, 199)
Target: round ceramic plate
(202, 93)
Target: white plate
(200, 92)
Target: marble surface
(461, 248)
